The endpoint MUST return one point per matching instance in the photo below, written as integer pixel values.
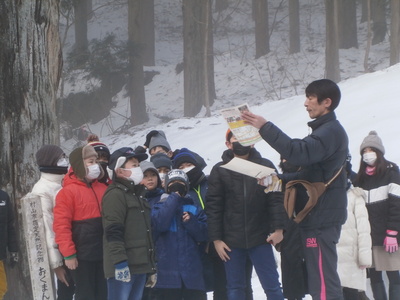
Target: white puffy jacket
(47, 188)
(354, 247)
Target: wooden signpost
(40, 272)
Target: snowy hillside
(369, 101)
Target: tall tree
(81, 28)
(364, 11)
(332, 70)
(148, 33)
(136, 81)
(395, 32)
(30, 68)
(261, 27)
(379, 27)
(348, 24)
(198, 63)
(294, 26)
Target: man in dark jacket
(321, 155)
(8, 239)
(244, 221)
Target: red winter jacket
(77, 219)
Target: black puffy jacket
(383, 202)
(238, 211)
(321, 154)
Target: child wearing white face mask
(128, 245)
(380, 179)
(53, 165)
(78, 225)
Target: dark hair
(322, 89)
(162, 147)
(381, 167)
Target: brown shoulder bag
(314, 191)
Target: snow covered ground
(273, 85)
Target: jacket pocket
(137, 252)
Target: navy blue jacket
(154, 196)
(321, 154)
(177, 251)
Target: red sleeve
(63, 216)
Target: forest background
(45, 71)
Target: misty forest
(64, 61)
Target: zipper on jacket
(97, 199)
(245, 210)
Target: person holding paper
(244, 221)
(321, 155)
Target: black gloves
(149, 136)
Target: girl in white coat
(354, 247)
(53, 165)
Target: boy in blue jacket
(178, 225)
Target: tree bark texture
(348, 24)
(294, 26)
(198, 73)
(395, 32)
(137, 94)
(261, 27)
(332, 69)
(30, 62)
(148, 33)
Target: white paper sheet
(248, 168)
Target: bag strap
(334, 177)
(314, 190)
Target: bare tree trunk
(364, 11)
(210, 56)
(197, 38)
(81, 39)
(379, 27)
(148, 33)
(332, 69)
(348, 24)
(137, 94)
(261, 27)
(369, 36)
(30, 62)
(294, 26)
(395, 32)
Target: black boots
(378, 290)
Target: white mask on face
(187, 169)
(136, 175)
(93, 172)
(369, 158)
(162, 176)
(62, 162)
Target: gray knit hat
(48, 155)
(161, 160)
(373, 141)
(159, 140)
